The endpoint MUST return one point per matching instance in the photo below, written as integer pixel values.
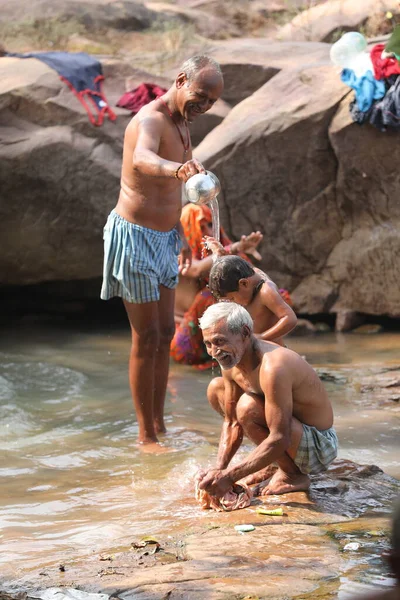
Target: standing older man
(143, 237)
(273, 396)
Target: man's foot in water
(284, 483)
(159, 426)
(150, 446)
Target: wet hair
(233, 314)
(195, 64)
(226, 273)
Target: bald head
(194, 65)
(199, 84)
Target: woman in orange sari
(192, 295)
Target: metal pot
(202, 188)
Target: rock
(346, 320)
(380, 388)
(331, 375)
(321, 327)
(201, 127)
(116, 71)
(327, 21)
(353, 192)
(248, 63)
(368, 329)
(59, 175)
(314, 295)
(214, 561)
(303, 327)
(251, 152)
(366, 191)
(93, 14)
(209, 26)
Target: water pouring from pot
(203, 188)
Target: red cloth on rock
(383, 67)
(140, 96)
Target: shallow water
(73, 481)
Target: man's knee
(166, 334)
(246, 408)
(215, 393)
(146, 341)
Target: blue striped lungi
(137, 260)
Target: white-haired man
(272, 395)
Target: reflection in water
(73, 480)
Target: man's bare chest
(249, 382)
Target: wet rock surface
(302, 552)
(373, 387)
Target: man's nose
(212, 350)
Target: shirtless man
(143, 236)
(272, 395)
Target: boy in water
(232, 278)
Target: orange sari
(187, 347)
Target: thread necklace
(186, 146)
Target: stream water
(72, 479)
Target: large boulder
(365, 262)
(278, 170)
(323, 191)
(248, 63)
(59, 174)
(207, 25)
(93, 14)
(324, 22)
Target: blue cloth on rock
(84, 76)
(366, 87)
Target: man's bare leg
(166, 327)
(288, 477)
(215, 394)
(143, 319)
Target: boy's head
(229, 278)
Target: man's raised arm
(146, 158)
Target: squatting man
(274, 397)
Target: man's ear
(243, 282)
(246, 331)
(180, 80)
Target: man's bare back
(311, 405)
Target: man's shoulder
(277, 358)
(147, 114)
